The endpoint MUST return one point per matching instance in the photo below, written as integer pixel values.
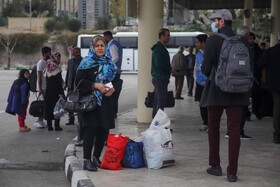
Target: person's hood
(158, 44)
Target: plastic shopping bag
(161, 120)
(114, 152)
(158, 144)
(58, 110)
(133, 155)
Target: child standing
(18, 99)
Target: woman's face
(26, 75)
(99, 48)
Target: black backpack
(33, 79)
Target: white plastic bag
(158, 144)
(58, 110)
(161, 120)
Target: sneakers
(245, 137)
(217, 171)
(203, 128)
(242, 137)
(40, 125)
(24, 129)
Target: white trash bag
(158, 144)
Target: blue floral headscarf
(106, 71)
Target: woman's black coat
(103, 116)
(53, 90)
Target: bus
(129, 43)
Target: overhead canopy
(221, 4)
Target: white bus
(129, 42)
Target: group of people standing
(92, 73)
(213, 101)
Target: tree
(74, 24)
(103, 22)
(15, 9)
(118, 10)
(8, 42)
(41, 6)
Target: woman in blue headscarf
(94, 72)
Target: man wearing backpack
(217, 100)
(41, 82)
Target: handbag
(37, 108)
(76, 103)
(149, 100)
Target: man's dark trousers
(234, 116)
(160, 96)
(118, 87)
(190, 81)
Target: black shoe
(232, 178)
(276, 139)
(70, 123)
(50, 128)
(88, 165)
(58, 129)
(96, 161)
(79, 144)
(215, 170)
(180, 98)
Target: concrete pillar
(275, 21)
(248, 8)
(150, 22)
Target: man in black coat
(72, 66)
(270, 60)
(217, 100)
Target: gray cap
(224, 13)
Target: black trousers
(204, 115)
(118, 87)
(160, 96)
(96, 135)
(190, 81)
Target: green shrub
(50, 25)
(74, 24)
(30, 43)
(59, 26)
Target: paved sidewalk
(259, 160)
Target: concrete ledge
(74, 170)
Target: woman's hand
(110, 92)
(101, 87)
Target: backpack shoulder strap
(223, 36)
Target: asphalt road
(35, 158)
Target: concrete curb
(74, 170)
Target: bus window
(184, 41)
(171, 43)
(85, 42)
(130, 42)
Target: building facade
(68, 7)
(90, 10)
